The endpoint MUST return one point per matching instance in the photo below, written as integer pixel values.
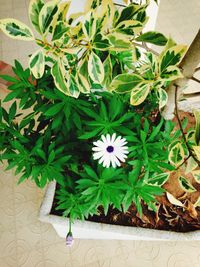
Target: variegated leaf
(140, 93)
(153, 38)
(197, 151)
(172, 57)
(159, 179)
(186, 185)
(108, 72)
(191, 165)
(173, 200)
(197, 128)
(83, 84)
(59, 30)
(129, 27)
(73, 86)
(176, 154)
(35, 7)
(37, 64)
(119, 43)
(89, 26)
(47, 15)
(196, 175)
(197, 203)
(124, 83)
(16, 29)
(95, 68)
(163, 98)
(58, 72)
(171, 73)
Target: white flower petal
(108, 138)
(98, 155)
(113, 138)
(99, 143)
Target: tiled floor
(24, 241)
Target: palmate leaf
(16, 29)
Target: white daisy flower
(110, 150)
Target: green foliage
(90, 77)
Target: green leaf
(59, 30)
(140, 93)
(73, 86)
(35, 7)
(95, 68)
(186, 185)
(9, 78)
(16, 29)
(153, 38)
(47, 15)
(171, 73)
(124, 83)
(54, 109)
(12, 111)
(37, 64)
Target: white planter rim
(106, 231)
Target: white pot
(93, 230)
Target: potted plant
(96, 99)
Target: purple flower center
(110, 149)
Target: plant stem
(144, 46)
(116, 4)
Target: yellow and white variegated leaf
(108, 12)
(83, 84)
(95, 68)
(16, 29)
(47, 16)
(197, 203)
(176, 154)
(171, 73)
(190, 136)
(63, 9)
(163, 97)
(37, 64)
(58, 72)
(173, 200)
(196, 175)
(35, 7)
(129, 27)
(124, 83)
(119, 42)
(108, 72)
(70, 50)
(171, 57)
(170, 43)
(197, 128)
(73, 86)
(140, 93)
(191, 165)
(197, 151)
(159, 179)
(186, 185)
(89, 26)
